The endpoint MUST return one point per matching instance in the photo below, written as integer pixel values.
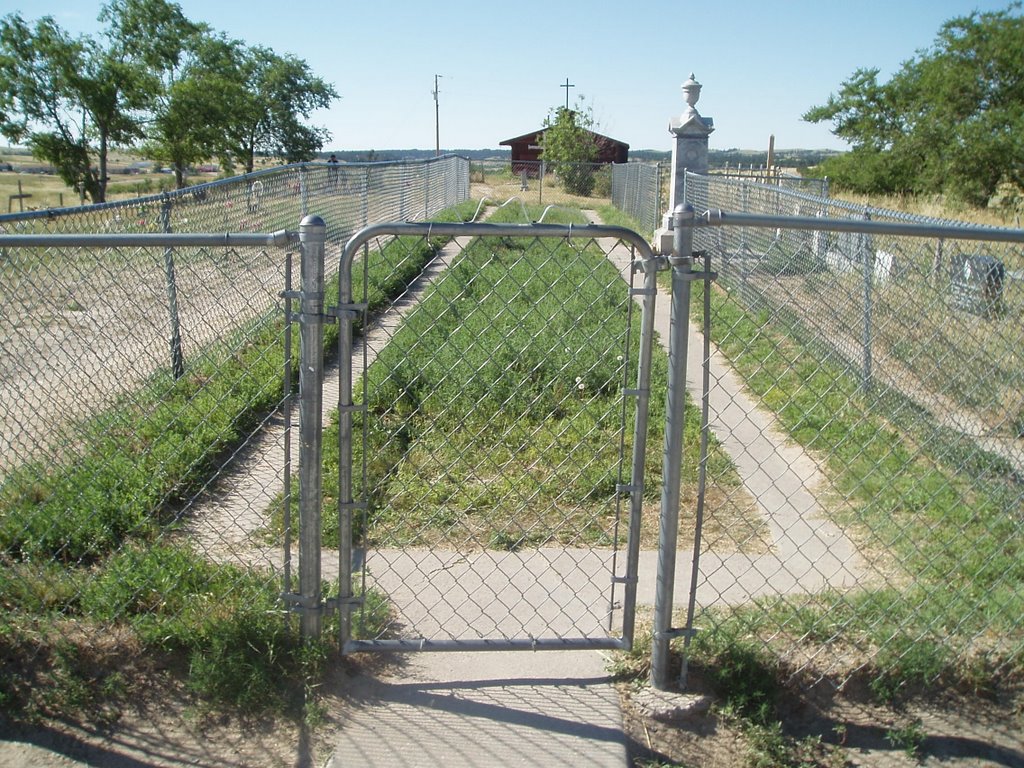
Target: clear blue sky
(762, 63)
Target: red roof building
(526, 149)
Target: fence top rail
(481, 229)
(278, 239)
(720, 218)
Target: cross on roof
(567, 85)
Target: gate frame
(346, 312)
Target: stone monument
(689, 153)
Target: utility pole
(437, 120)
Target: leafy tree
(568, 145)
(949, 121)
(266, 97)
(157, 76)
(189, 121)
(59, 94)
(181, 128)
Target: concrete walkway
(548, 708)
(553, 708)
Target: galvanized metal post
(648, 296)
(177, 358)
(286, 409)
(312, 238)
(867, 259)
(702, 474)
(303, 191)
(679, 329)
(346, 503)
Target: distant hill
(717, 158)
(386, 155)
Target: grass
(950, 610)
(494, 412)
(937, 207)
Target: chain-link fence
(639, 189)
(859, 506)
(144, 401)
(881, 414)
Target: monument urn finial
(690, 121)
(691, 91)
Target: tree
(158, 76)
(72, 99)
(57, 93)
(949, 121)
(181, 126)
(189, 119)
(267, 97)
(568, 145)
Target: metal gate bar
(347, 312)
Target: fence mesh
(493, 441)
(144, 403)
(893, 507)
(864, 504)
(639, 190)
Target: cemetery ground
(757, 712)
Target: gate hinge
(652, 264)
(333, 604)
(346, 311)
(296, 603)
(672, 634)
(692, 277)
(704, 274)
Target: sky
(762, 63)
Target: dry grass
(938, 207)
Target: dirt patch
(820, 726)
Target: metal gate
(492, 436)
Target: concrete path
(485, 709)
(544, 708)
(808, 551)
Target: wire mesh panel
(497, 416)
(892, 364)
(637, 190)
(144, 416)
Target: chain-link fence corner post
(681, 262)
(312, 238)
